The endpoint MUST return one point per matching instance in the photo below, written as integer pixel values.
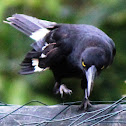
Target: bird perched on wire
(69, 50)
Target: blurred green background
(108, 15)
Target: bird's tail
(31, 26)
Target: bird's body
(69, 50)
(69, 64)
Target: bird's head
(93, 60)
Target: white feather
(46, 44)
(38, 69)
(43, 48)
(35, 62)
(43, 55)
(39, 34)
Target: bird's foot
(63, 89)
(85, 105)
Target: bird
(68, 50)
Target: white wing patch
(38, 69)
(35, 63)
(39, 34)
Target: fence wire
(63, 114)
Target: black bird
(69, 50)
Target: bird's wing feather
(35, 61)
(34, 28)
(28, 24)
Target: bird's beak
(90, 75)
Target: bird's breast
(66, 69)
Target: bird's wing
(49, 46)
(34, 28)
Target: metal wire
(94, 117)
(21, 107)
(104, 109)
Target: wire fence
(65, 114)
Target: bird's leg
(85, 102)
(56, 88)
(61, 89)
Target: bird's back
(79, 37)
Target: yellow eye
(83, 64)
(103, 67)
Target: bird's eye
(83, 64)
(102, 67)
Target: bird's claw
(63, 89)
(85, 105)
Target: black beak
(90, 75)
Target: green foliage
(108, 15)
